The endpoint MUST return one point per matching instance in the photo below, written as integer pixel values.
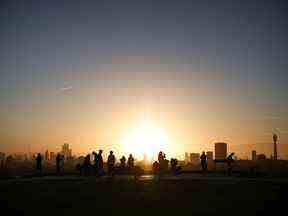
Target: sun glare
(146, 139)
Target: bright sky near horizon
(91, 73)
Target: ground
(147, 196)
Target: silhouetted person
(39, 164)
(123, 162)
(62, 159)
(163, 162)
(96, 163)
(58, 159)
(100, 160)
(203, 159)
(173, 163)
(230, 161)
(87, 164)
(111, 163)
(156, 168)
(131, 162)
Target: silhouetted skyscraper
(66, 151)
(220, 151)
(254, 155)
(261, 157)
(52, 156)
(186, 157)
(275, 138)
(47, 155)
(195, 158)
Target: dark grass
(128, 197)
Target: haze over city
(135, 76)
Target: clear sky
(88, 72)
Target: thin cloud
(272, 117)
(67, 88)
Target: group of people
(59, 164)
(97, 166)
(229, 160)
(161, 166)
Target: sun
(146, 139)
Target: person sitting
(123, 162)
(156, 168)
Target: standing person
(229, 161)
(39, 164)
(203, 159)
(130, 162)
(86, 165)
(100, 163)
(58, 160)
(96, 163)
(62, 158)
(111, 163)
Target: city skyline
(197, 72)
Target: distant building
(220, 151)
(254, 155)
(52, 156)
(261, 157)
(186, 157)
(145, 159)
(66, 151)
(209, 155)
(47, 155)
(194, 158)
(2, 158)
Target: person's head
(232, 154)
(100, 151)
(130, 155)
(111, 152)
(203, 152)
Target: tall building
(261, 157)
(47, 155)
(209, 155)
(220, 151)
(2, 158)
(66, 151)
(52, 156)
(145, 158)
(195, 158)
(254, 155)
(186, 157)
